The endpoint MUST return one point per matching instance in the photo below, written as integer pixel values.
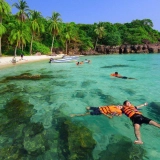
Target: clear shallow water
(70, 88)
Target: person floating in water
(108, 111)
(119, 76)
(137, 118)
(78, 63)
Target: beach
(7, 61)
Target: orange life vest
(115, 75)
(130, 111)
(110, 110)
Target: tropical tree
(4, 10)
(100, 32)
(20, 34)
(86, 42)
(35, 25)
(54, 26)
(23, 10)
(69, 35)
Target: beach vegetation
(100, 32)
(39, 47)
(20, 35)
(4, 11)
(86, 42)
(69, 36)
(36, 25)
(33, 33)
(23, 8)
(54, 26)
(22, 15)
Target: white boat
(62, 61)
(65, 59)
(71, 57)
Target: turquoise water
(67, 89)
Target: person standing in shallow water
(21, 56)
(137, 119)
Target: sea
(37, 99)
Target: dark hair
(116, 72)
(124, 103)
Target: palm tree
(54, 26)
(20, 34)
(35, 25)
(5, 9)
(23, 10)
(100, 32)
(69, 34)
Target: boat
(64, 59)
(71, 57)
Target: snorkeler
(137, 119)
(119, 76)
(108, 111)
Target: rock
(126, 48)
(38, 54)
(35, 145)
(76, 140)
(121, 147)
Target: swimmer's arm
(142, 105)
(109, 116)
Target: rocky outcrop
(144, 48)
(123, 49)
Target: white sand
(7, 61)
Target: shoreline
(7, 61)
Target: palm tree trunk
(21, 33)
(0, 40)
(0, 47)
(22, 47)
(66, 47)
(15, 51)
(96, 44)
(31, 45)
(52, 44)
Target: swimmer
(108, 111)
(119, 76)
(137, 119)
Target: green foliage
(113, 39)
(4, 8)
(86, 42)
(20, 33)
(139, 35)
(39, 47)
(100, 30)
(23, 10)
(53, 33)
(2, 29)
